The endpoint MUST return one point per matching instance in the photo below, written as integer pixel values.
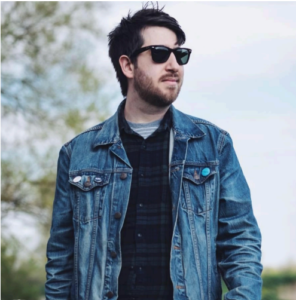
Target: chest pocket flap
(199, 174)
(89, 190)
(86, 181)
(197, 186)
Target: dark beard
(151, 95)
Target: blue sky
(242, 77)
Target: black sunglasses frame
(169, 50)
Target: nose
(172, 63)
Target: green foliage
(51, 89)
(275, 278)
(48, 64)
(19, 280)
(273, 282)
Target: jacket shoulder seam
(204, 122)
(221, 142)
(68, 150)
(223, 133)
(94, 128)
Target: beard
(151, 94)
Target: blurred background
(57, 80)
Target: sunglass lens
(182, 56)
(160, 54)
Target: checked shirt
(147, 230)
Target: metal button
(77, 179)
(87, 183)
(98, 179)
(113, 254)
(109, 294)
(196, 175)
(117, 215)
(205, 172)
(123, 175)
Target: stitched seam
(68, 150)
(95, 128)
(222, 143)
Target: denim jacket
(215, 232)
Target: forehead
(155, 35)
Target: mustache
(173, 76)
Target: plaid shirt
(147, 230)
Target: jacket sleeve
(239, 238)
(60, 247)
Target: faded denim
(215, 232)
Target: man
(152, 203)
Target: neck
(139, 111)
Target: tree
(48, 75)
(19, 280)
(51, 90)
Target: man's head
(152, 73)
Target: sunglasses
(160, 54)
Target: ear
(126, 66)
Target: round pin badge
(205, 172)
(77, 179)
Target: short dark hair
(126, 37)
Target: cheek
(181, 72)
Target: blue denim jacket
(214, 230)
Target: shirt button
(131, 267)
(117, 215)
(142, 175)
(139, 235)
(141, 205)
(123, 176)
(109, 294)
(113, 254)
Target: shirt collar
(165, 123)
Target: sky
(242, 77)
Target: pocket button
(87, 184)
(123, 176)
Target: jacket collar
(183, 127)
